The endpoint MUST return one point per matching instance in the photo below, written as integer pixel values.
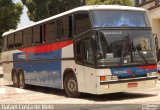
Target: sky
(24, 18)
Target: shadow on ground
(1, 75)
(116, 96)
(106, 97)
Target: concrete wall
(154, 17)
(156, 29)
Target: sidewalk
(11, 90)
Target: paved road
(34, 94)
(42, 95)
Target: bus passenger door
(84, 58)
(78, 54)
(89, 64)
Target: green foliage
(9, 15)
(109, 2)
(41, 9)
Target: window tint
(18, 39)
(50, 31)
(84, 50)
(88, 50)
(10, 41)
(36, 35)
(27, 37)
(114, 18)
(4, 43)
(82, 23)
(63, 27)
(78, 51)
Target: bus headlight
(114, 78)
(108, 78)
(151, 74)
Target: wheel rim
(15, 79)
(21, 82)
(72, 85)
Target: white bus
(91, 49)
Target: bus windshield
(124, 47)
(116, 18)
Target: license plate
(130, 85)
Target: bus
(90, 49)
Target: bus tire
(15, 79)
(71, 85)
(21, 79)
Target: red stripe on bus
(47, 47)
(148, 67)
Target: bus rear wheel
(71, 86)
(21, 80)
(15, 79)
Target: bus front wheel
(15, 79)
(71, 86)
(21, 80)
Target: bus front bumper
(126, 85)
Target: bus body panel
(78, 71)
(50, 73)
(82, 73)
(90, 79)
(40, 68)
(134, 71)
(122, 87)
(41, 73)
(7, 66)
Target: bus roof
(82, 8)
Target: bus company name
(23, 56)
(113, 32)
(122, 72)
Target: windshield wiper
(141, 55)
(126, 48)
(130, 41)
(122, 53)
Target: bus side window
(63, 28)
(50, 31)
(82, 23)
(37, 37)
(27, 37)
(10, 44)
(18, 39)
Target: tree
(9, 15)
(41, 9)
(109, 2)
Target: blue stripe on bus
(130, 72)
(47, 73)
